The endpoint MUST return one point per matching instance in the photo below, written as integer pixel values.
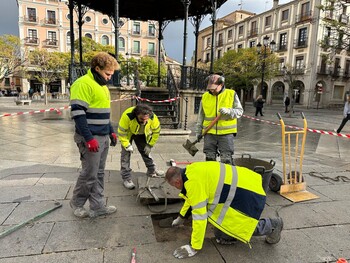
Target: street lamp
(262, 51)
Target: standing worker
(346, 114)
(231, 198)
(90, 110)
(141, 125)
(219, 139)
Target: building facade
(298, 28)
(46, 24)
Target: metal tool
(31, 220)
(190, 146)
(172, 162)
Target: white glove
(148, 149)
(185, 251)
(225, 111)
(129, 148)
(178, 221)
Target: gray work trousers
(263, 228)
(125, 157)
(219, 144)
(90, 183)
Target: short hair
(172, 173)
(105, 61)
(142, 109)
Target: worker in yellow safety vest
(231, 198)
(219, 139)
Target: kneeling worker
(231, 198)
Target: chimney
(275, 3)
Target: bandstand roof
(159, 10)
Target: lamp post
(262, 50)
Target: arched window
(88, 35)
(121, 43)
(105, 40)
(68, 38)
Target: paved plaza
(39, 164)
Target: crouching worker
(141, 125)
(231, 198)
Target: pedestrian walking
(346, 114)
(90, 110)
(219, 139)
(231, 198)
(259, 105)
(286, 104)
(141, 125)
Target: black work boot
(275, 236)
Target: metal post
(71, 26)
(116, 40)
(160, 38)
(213, 22)
(80, 24)
(263, 70)
(186, 4)
(127, 69)
(185, 124)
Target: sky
(173, 33)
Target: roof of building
(159, 10)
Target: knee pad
(210, 156)
(226, 158)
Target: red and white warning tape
(299, 128)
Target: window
(68, 37)
(51, 17)
(283, 42)
(88, 19)
(207, 57)
(285, 15)
(338, 92)
(220, 40)
(105, 21)
(51, 37)
(33, 36)
(240, 46)
(281, 65)
(305, 10)
(105, 40)
(121, 43)
(299, 63)
(252, 43)
(219, 53)
(240, 30)
(254, 29)
(347, 68)
(151, 30)
(136, 47)
(151, 49)
(327, 36)
(88, 35)
(68, 16)
(136, 29)
(31, 14)
(336, 66)
(229, 34)
(302, 40)
(7, 82)
(208, 42)
(268, 21)
(323, 67)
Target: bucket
(261, 167)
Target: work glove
(225, 111)
(113, 138)
(129, 148)
(178, 221)
(185, 251)
(92, 145)
(199, 137)
(147, 149)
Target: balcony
(50, 22)
(282, 47)
(300, 43)
(253, 32)
(30, 19)
(50, 43)
(32, 41)
(336, 72)
(136, 33)
(323, 70)
(304, 17)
